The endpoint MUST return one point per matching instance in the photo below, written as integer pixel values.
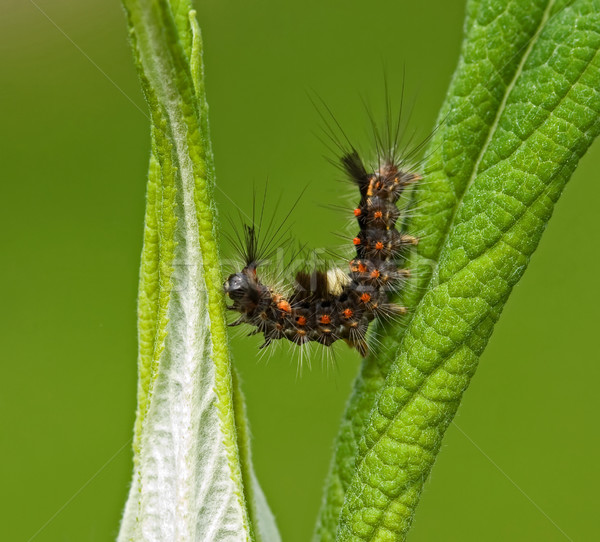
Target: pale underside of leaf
(191, 480)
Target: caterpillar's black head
(237, 286)
(245, 290)
(242, 285)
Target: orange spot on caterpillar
(357, 212)
(348, 313)
(375, 274)
(365, 298)
(284, 306)
(379, 245)
(356, 241)
(362, 268)
(325, 319)
(378, 214)
(301, 320)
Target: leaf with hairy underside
(522, 109)
(193, 478)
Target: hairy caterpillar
(325, 306)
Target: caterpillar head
(244, 289)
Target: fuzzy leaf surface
(193, 478)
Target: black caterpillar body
(323, 309)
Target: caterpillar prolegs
(324, 305)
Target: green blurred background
(521, 464)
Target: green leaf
(522, 109)
(193, 477)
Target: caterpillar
(326, 306)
